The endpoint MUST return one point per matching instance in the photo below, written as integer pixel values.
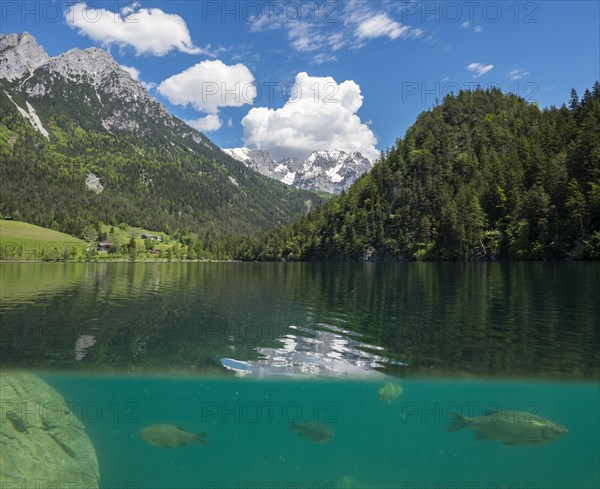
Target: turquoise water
(399, 445)
(241, 350)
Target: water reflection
(321, 350)
(511, 319)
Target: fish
(510, 427)
(389, 392)
(168, 435)
(313, 431)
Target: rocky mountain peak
(19, 54)
(326, 171)
(93, 64)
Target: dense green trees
(189, 188)
(483, 175)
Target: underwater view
(247, 375)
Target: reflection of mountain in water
(320, 351)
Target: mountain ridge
(324, 171)
(484, 175)
(80, 116)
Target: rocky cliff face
(20, 54)
(89, 85)
(325, 171)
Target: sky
(296, 77)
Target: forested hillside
(155, 187)
(484, 175)
(83, 143)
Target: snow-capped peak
(327, 171)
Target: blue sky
(358, 72)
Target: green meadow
(24, 241)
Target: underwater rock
(42, 443)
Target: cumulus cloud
(479, 69)
(147, 30)
(205, 124)
(319, 115)
(517, 74)
(210, 85)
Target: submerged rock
(42, 443)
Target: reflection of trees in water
(491, 319)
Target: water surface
(242, 350)
(433, 319)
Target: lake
(242, 351)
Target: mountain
(20, 54)
(82, 142)
(483, 176)
(325, 171)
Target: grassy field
(21, 240)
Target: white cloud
(349, 25)
(381, 25)
(205, 124)
(517, 74)
(229, 122)
(466, 24)
(147, 30)
(319, 115)
(479, 69)
(210, 85)
(322, 58)
(135, 74)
